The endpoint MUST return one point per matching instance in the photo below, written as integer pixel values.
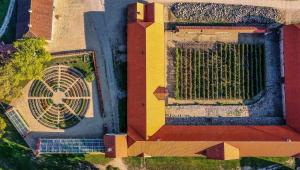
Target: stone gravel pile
(197, 121)
(221, 13)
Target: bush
(87, 70)
(2, 126)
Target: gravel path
(7, 17)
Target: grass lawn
(192, 163)
(96, 158)
(9, 35)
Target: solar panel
(71, 145)
(18, 122)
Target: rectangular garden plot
(228, 71)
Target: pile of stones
(221, 13)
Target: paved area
(69, 24)
(7, 17)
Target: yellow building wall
(140, 11)
(231, 152)
(121, 145)
(155, 77)
(159, 13)
(194, 148)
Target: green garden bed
(229, 71)
(84, 63)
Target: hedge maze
(228, 71)
(60, 99)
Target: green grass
(285, 162)
(180, 163)
(96, 158)
(9, 35)
(123, 115)
(196, 163)
(83, 63)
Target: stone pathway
(7, 17)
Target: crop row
(228, 71)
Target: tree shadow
(257, 163)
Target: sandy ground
(69, 24)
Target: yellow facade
(121, 145)
(231, 152)
(155, 74)
(140, 11)
(159, 13)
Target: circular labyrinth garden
(60, 99)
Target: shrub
(87, 70)
(2, 126)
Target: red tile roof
(291, 45)
(225, 133)
(41, 18)
(136, 83)
(35, 19)
(137, 109)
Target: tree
(27, 63)
(30, 58)
(2, 126)
(5, 53)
